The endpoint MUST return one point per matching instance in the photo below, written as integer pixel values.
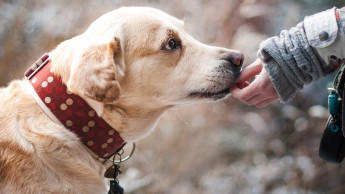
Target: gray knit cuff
(292, 59)
(281, 83)
(291, 62)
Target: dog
(130, 66)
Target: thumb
(250, 71)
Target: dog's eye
(172, 44)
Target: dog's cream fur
(124, 67)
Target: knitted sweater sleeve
(292, 59)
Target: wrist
(282, 85)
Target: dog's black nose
(236, 58)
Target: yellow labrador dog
(130, 66)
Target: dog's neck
(132, 123)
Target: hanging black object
(332, 145)
(115, 187)
(112, 173)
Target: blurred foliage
(225, 147)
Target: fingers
(245, 93)
(252, 97)
(265, 102)
(249, 91)
(261, 100)
(260, 92)
(242, 85)
(250, 71)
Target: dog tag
(110, 172)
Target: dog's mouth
(218, 94)
(212, 95)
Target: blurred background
(226, 147)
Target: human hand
(260, 92)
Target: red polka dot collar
(72, 111)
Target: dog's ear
(93, 72)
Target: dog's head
(143, 57)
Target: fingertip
(234, 90)
(237, 92)
(246, 84)
(250, 71)
(241, 85)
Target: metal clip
(127, 157)
(120, 152)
